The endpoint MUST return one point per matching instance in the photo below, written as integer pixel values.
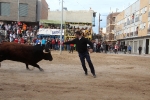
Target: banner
(43, 31)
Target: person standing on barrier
(81, 45)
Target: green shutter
(23, 10)
(5, 9)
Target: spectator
(56, 44)
(94, 49)
(53, 44)
(140, 50)
(37, 41)
(129, 49)
(22, 41)
(116, 49)
(71, 48)
(11, 37)
(125, 49)
(43, 42)
(48, 44)
(16, 40)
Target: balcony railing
(148, 30)
(124, 36)
(131, 34)
(131, 21)
(148, 14)
(125, 24)
(136, 33)
(136, 19)
(128, 23)
(128, 35)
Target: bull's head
(47, 56)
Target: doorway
(147, 46)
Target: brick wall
(44, 10)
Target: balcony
(128, 22)
(136, 19)
(136, 33)
(148, 31)
(131, 21)
(131, 34)
(148, 14)
(125, 24)
(124, 35)
(128, 34)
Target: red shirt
(71, 45)
(58, 42)
(22, 41)
(53, 41)
(16, 40)
(62, 43)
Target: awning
(51, 22)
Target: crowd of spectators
(17, 30)
(85, 29)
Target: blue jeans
(86, 56)
(53, 46)
(56, 46)
(68, 47)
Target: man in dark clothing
(125, 49)
(81, 45)
(140, 50)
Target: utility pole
(18, 11)
(61, 27)
(99, 23)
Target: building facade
(133, 26)
(28, 10)
(42, 10)
(110, 27)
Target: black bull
(30, 55)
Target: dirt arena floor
(118, 78)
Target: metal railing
(148, 14)
(131, 34)
(148, 30)
(128, 23)
(136, 19)
(132, 21)
(136, 33)
(125, 24)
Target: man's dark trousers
(82, 59)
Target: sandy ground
(118, 78)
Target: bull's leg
(27, 67)
(37, 66)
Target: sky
(104, 7)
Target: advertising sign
(50, 31)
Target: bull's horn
(46, 52)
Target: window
(23, 10)
(4, 9)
